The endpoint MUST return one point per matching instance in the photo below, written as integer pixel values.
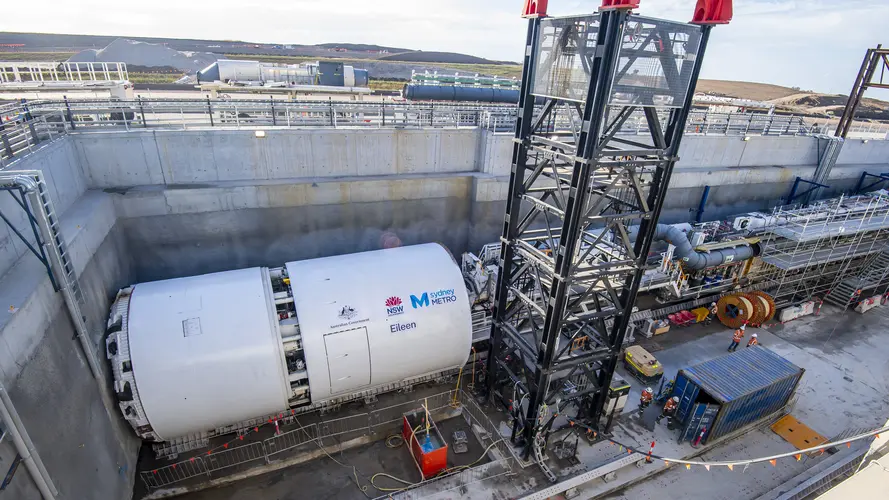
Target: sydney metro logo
(393, 306)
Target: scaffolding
(810, 251)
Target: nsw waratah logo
(393, 306)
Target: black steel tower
(603, 105)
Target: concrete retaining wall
(192, 240)
(88, 452)
(139, 158)
(61, 168)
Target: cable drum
(734, 310)
(760, 309)
(767, 303)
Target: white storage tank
(196, 354)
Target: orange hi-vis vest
(739, 334)
(752, 341)
(646, 396)
(669, 406)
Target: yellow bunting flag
(688, 466)
(798, 456)
(666, 463)
(730, 467)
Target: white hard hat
(743, 327)
(754, 335)
(713, 303)
(648, 389)
(675, 399)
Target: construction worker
(736, 338)
(669, 410)
(645, 399)
(711, 313)
(752, 340)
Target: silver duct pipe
(25, 447)
(691, 258)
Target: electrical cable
(392, 438)
(363, 489)
(441, 473)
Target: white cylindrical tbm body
(205, 352)
(379, 317)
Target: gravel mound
(146, 54)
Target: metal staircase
(873, 275)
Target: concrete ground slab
(333, 476)
(844, 386)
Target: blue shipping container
(745, 386)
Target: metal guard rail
(269, 450)
(27, 124)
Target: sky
(812, 44)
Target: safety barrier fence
(211, 463)
(199, 113)
(18, 139)
(26, 125)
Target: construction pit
(222, 299)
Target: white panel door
(348, 359)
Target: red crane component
(619, 4)
(534, 8)
(712, 12)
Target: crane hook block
(534, 8)
(619, 4)
(713, 12)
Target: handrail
(27, 123)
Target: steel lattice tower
(583, 203)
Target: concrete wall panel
(60, 164)
(288, 155)
(117, 160)
(858, 152)
(375, 152)
(496, 153)
(185, 158)
(417, 151)
(783, 151)
(65, 181)
(238, 156)
(457, 151)
(181, 245)
(331, 154)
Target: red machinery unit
(534, 8)
(712, 12)
(619, 4)
(426, 444)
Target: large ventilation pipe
(693, 259)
